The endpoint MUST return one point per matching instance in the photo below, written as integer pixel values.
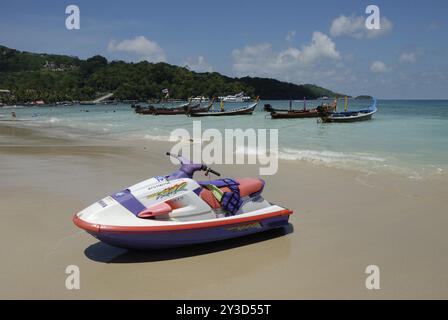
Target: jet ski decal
(127, 200)
(245, 227)
(170, 191)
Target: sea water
(405, 136)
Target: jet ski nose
(87, 226)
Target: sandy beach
(343, 221)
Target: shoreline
(66, 135)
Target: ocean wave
(44, 120)
(361, 161)
(54, 120)
(159, 138)
(329, 157)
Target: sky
(320, 42)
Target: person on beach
(13, 114)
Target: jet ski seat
(247, 186)
(250, 186)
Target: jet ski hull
(168, 236)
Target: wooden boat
(248, 110)
(182, 109)
(296, 114)
(303, 113)
(269, 108)
(349, 116)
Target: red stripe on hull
(97, 228)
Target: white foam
(158, 137)
(329, 157)
(54, 120)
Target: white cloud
(355, 27)
(408, 57)
(199, 64)
(378, 67)
(315, 62)
(252, 59)
(144, 48)
(290, 36)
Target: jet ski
(175, 210)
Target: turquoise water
(405, 136)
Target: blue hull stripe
(160, 240)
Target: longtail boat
(296, 114)
(303, 113)
(182, 109)
(269, 108)
(248, 110)
(349, 116)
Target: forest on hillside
(32, 76)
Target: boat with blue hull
(348, 116)
(176, 210)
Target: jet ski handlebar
(190, 168)
(209, 170)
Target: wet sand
(343, 221)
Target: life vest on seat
(222, 193)
(227, 193)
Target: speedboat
(240, 97)
(175, 210)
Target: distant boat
(182, 109)
(87, 103)
(248, 110)
(64, 103)
(296, 114)
(302, 113)
(349, 116)
(38, 103)
(240, 97)
(200, 99)
(164, 111)
(269, 108)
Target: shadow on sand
(101, 252)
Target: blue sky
(321, 42)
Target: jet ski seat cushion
(247, 186)
(250, 186)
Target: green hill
(279, 90)
(52, 78)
